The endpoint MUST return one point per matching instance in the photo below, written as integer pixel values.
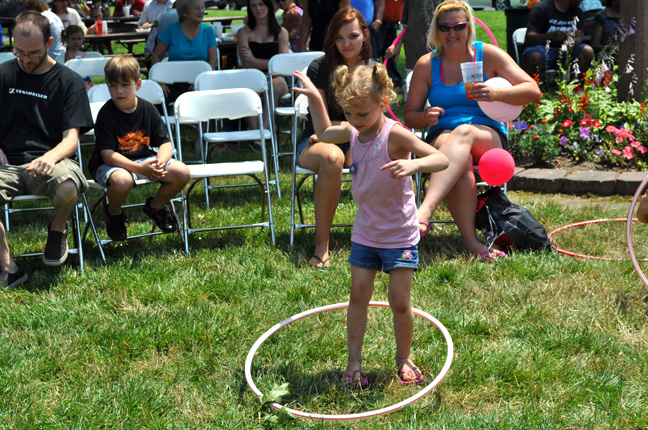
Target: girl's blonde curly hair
(353, 85)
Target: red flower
(596, 123)
(567, 123)
(585, 122)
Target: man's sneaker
(163, 217)
(56, 248)
(12, 280)
(116, 226)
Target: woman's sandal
(488, 256)
(427, 228)
(319, 263)
(414, 370)
(352, 382)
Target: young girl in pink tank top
(385, 231)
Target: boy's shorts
(550, 58)
(102, 175)
(367, 257)
(15, 180)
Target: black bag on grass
(507, 224)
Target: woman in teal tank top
(459, 129)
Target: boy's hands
(401, 168)
(152, 169)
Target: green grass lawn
(155, 339)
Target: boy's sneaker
(56, 248)
(163, 217)
(12, 280)
(116, 226)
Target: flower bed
(585, 122)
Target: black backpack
(507, 224)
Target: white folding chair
(88, 66)
(199, 106)
(172, 72)
(74, 218)
(6, 56)
(301, 110)
(252, 79)
(518, 37)
(285, 65)
(98, 95)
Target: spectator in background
(552, 21)
(68, 15)
(152, 11)
(168, 17)
(99, 8)
(417, 16)
(291, 19)
(315, 22)
(605, 25)
(137, 6)
(56, 26)
(186, 40)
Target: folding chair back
(235, 103)
(88, 66)
(171, 72)
(6, 56)
(252, 79)
(518, 37)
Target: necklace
(354, 166)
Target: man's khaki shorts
(15, 180)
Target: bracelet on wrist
(378, 21)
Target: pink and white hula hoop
(346, 417)
(633, 258)
(582, 223)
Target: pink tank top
(387, 216)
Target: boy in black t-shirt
(127, 129)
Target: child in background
(385, 230)
(127, 129)
(73, 38)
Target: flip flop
(324, 263)
(362, 382)
(488, 257)
(427, 227)
(415, 369)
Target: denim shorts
(550, 58)
(367, 257)
(102, 176)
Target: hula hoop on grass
(633, 258)
(582, 223)
(347, 417)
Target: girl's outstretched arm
(402, 142)
(325, 131)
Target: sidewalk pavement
(578, 182)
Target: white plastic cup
(127, 9)
(218, 29)
(472, 73)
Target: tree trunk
(636, 44)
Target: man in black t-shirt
(551, 22)
(44, 109)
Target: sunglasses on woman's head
(460, 26)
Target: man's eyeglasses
(460, 26)
(26, 55)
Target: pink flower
(642, 149)
(635, 144)
(611, 129)
(615, 151)
(628, 153)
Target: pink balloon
(496, 166)
(499, 111)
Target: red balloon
(496, 167)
